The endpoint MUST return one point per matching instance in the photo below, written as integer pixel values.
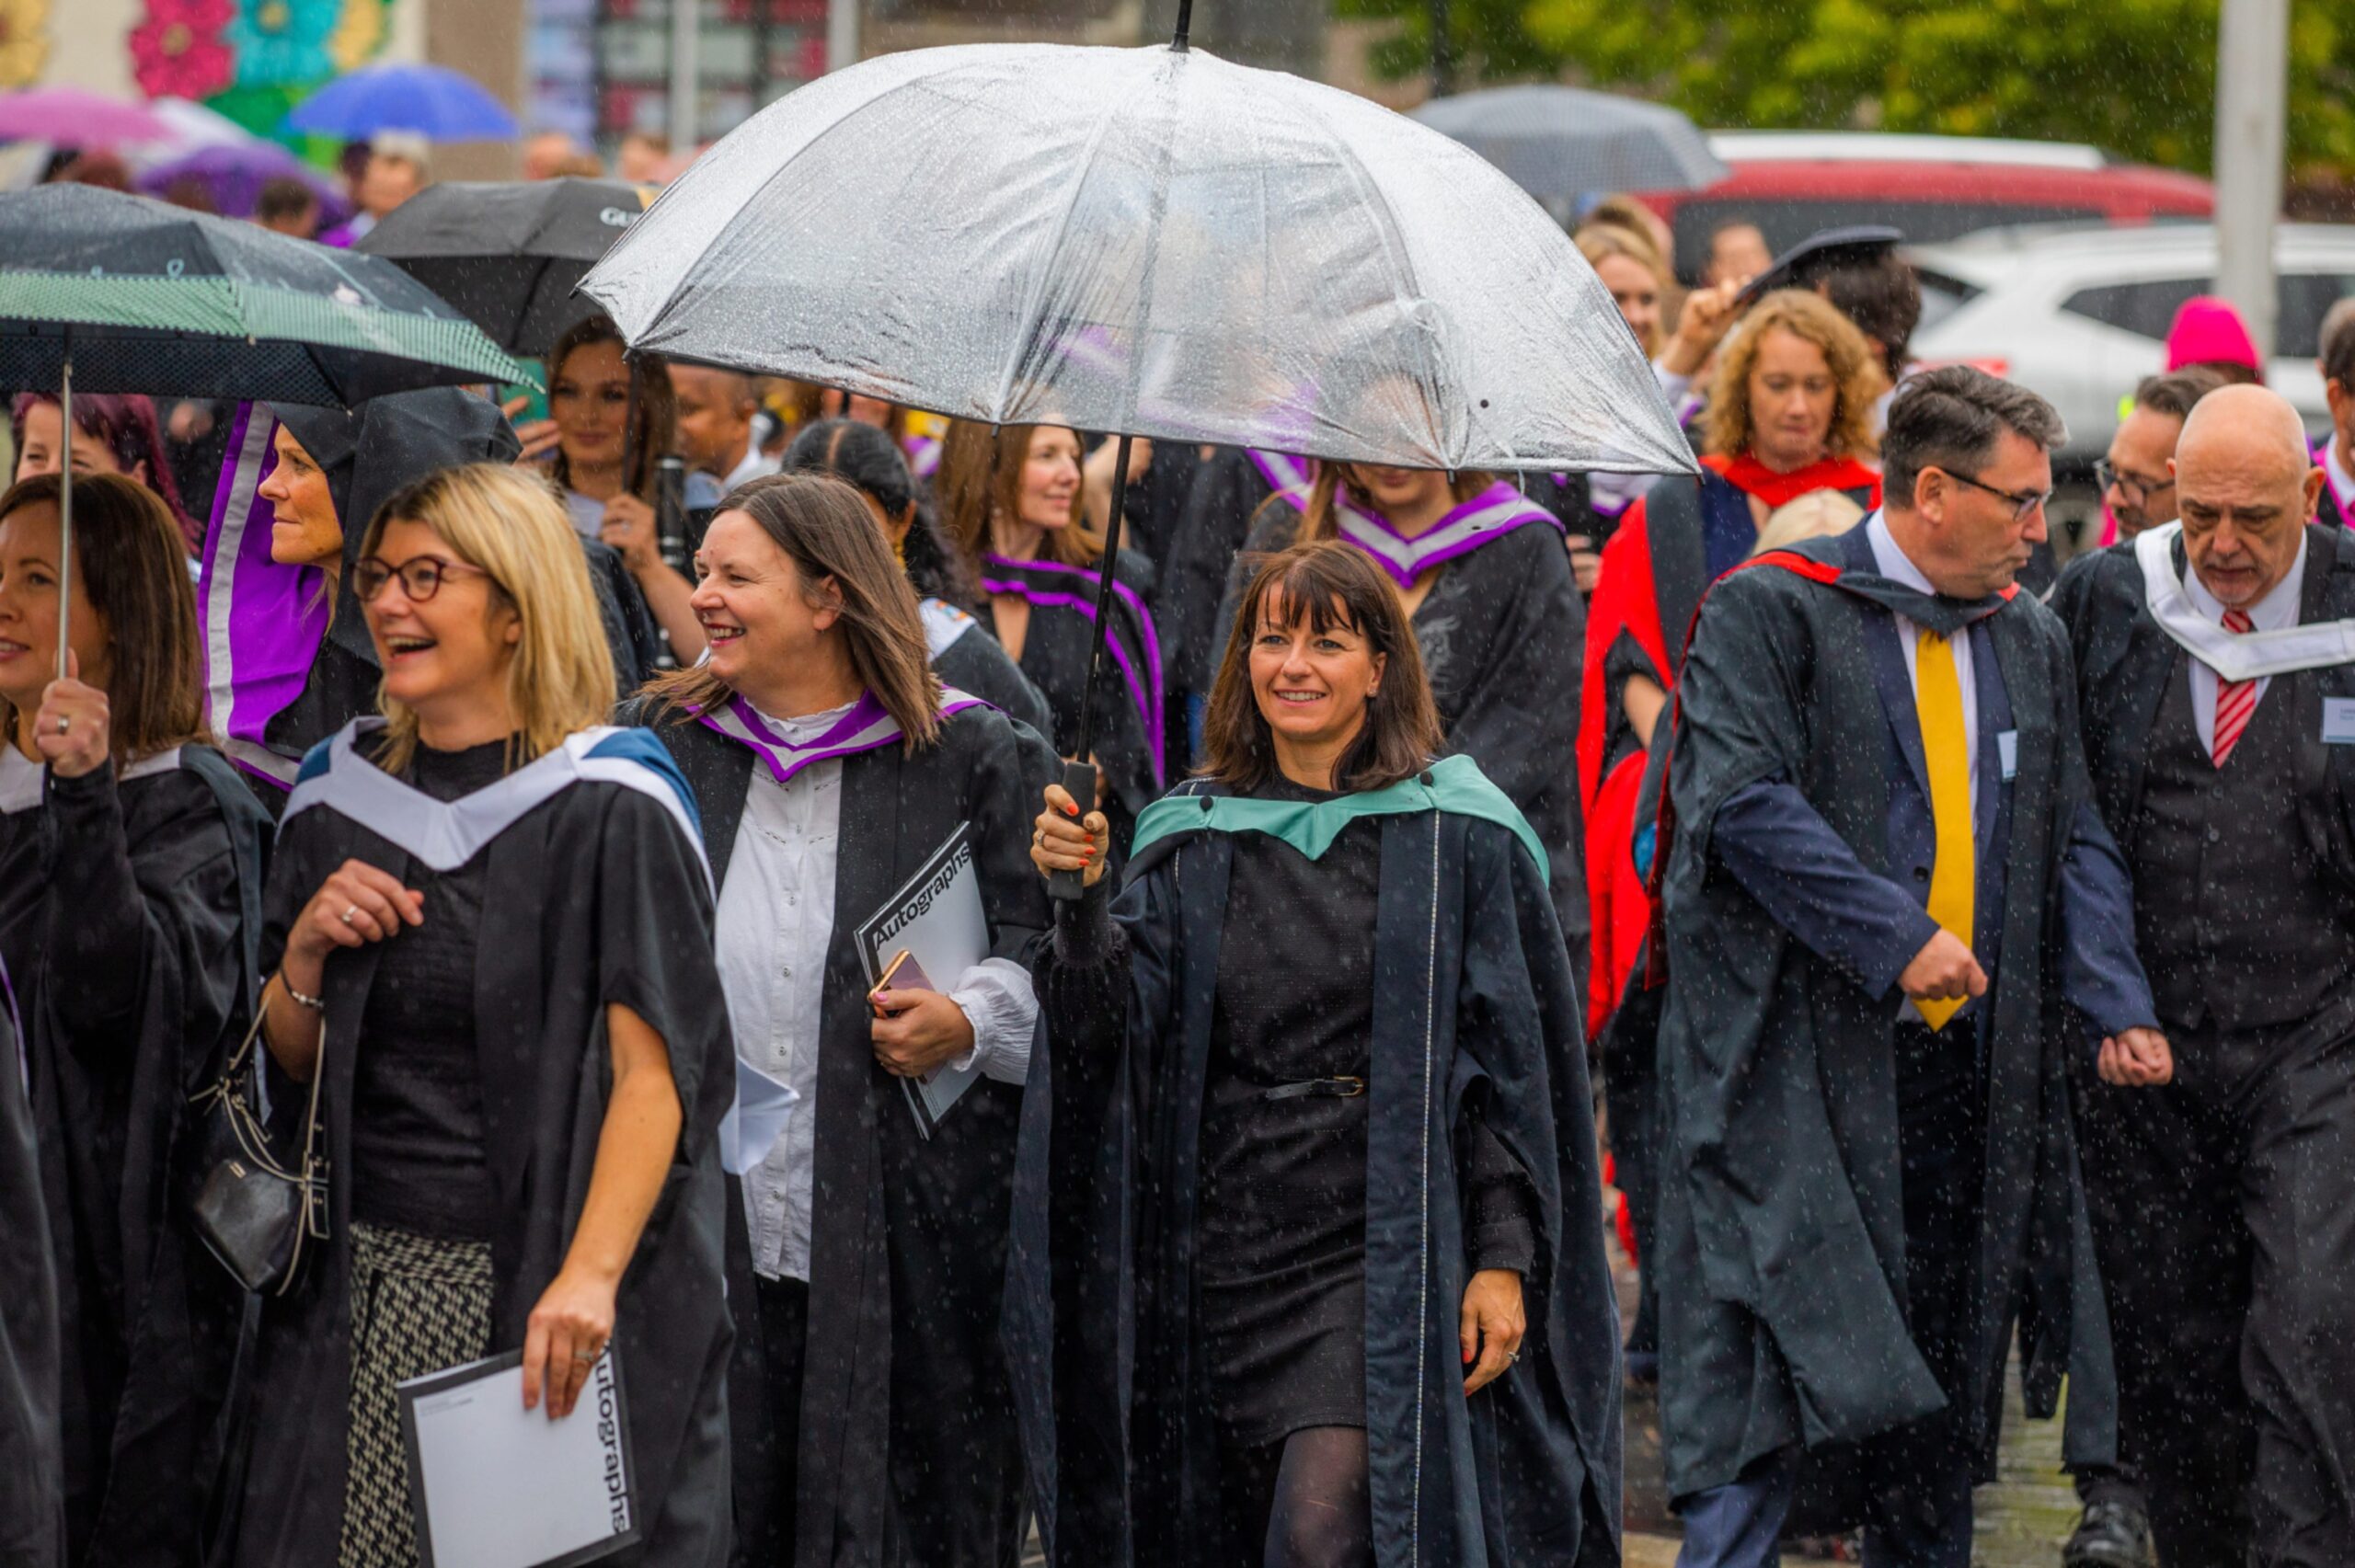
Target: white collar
(756, 464)
(807, 727)
(445, 834)
(2341, 483)
(2187, 613)
(1889, 558)
(21, 779)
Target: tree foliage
(2135, 76)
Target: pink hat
(2208, 330)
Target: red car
(1793, 183)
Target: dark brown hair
(1332, 584)
(2173, 392)
(655, 420)
(980, 476)
(1949, 419)
(824, 528)
(129, 560)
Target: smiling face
(1793, 396)
(1050, 477)
(1312, 686)
(44, 443)
(449, 653)
(588, 399)
(1636, 293)
(303, 530)
(753, 607)
(29, 562)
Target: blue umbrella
(434, 101)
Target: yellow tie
(1937, 698)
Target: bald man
(715, 427)
(2218, 703)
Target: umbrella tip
(1185, 25)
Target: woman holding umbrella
(130, 872)
(604, 439)
(1011, 498)
(1307, 1218)
(831, 768)
(963, 655)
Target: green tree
(2134, 76)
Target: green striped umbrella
(109, 292)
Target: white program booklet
(937, 916)
(494, 1485)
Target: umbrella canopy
(190, 125)
(160, 300)
(69, 117)
(1560, 143)
(1150, 241)
(509, 254)
(434, 101)
(233, 173)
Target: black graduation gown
(1476, 999)
(1228, 493)
(1781, 1238)
(32, 1471)
(129, 912)
(598, 899)
(1055, 654)
(1503, 636)
(976, 665)
(891, 1394)
(369, 455)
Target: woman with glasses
(129, 856)
(1308, 1247)
(836, 779)
(488, 927)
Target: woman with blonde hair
(833, 774)
(1010, 497)
(490, 927)
(129, 859)
(1789, 412)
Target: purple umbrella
(233, 175)
(70, 117)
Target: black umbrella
(507, 253)
(1559, 143)
(113, 293)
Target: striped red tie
(2235, 700)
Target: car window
(2147, 309)
(1942, 295)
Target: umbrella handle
(1068, 885)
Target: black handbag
(254, 1214)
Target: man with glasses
(2218, 695)
(1884, 877)
(2136, 488)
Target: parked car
(1792, 183)
(2081, 313)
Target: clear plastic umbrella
(1146, 241)
(1149, 240)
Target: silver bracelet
(316, 1003)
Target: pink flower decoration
(177, 51)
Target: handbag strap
(237, 1061)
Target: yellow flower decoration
(359, 33)
(24, 41)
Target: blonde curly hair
(1806, 315)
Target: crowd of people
(490, 798)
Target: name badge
(2007, 752)
(2339, 721)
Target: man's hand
(2136, 1058)
(1943, 972)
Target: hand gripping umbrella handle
(1079, 771)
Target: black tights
(1302, 1503)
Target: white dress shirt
(775, 921)
(757, 464)
(2341, 483)
(1898, 566)
(2276, 609)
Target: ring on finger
(349, 913)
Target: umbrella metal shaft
(1079, 771)
(65, 508)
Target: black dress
(1282, 1238)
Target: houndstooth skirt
(419, 1305)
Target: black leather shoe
(2111, 1534)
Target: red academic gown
(1644, 603)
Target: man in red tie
(2218, 702)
